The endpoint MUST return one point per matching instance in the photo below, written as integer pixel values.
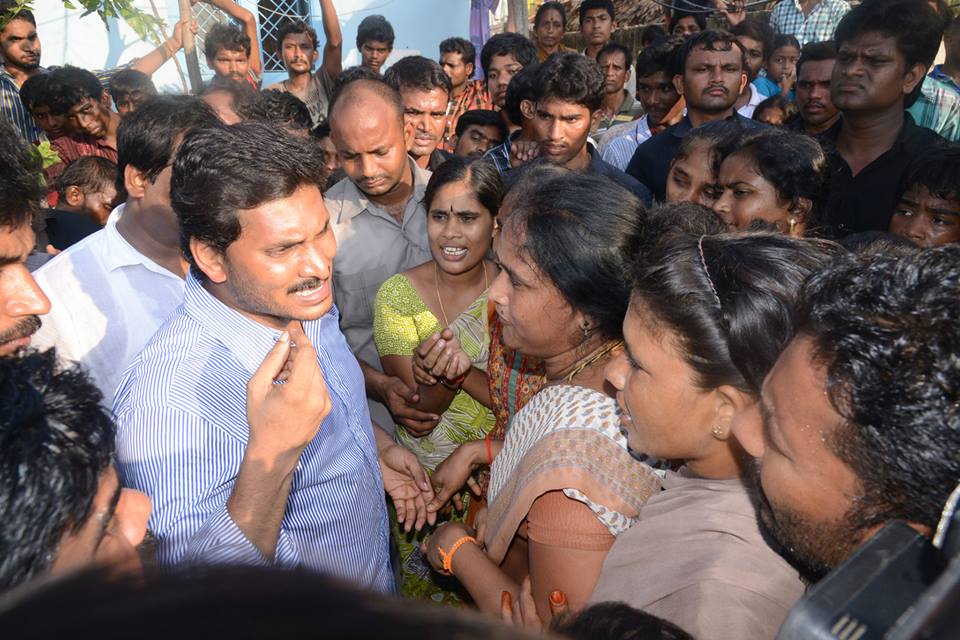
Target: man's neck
(422, 161)
(20, 75)
(148, 235)
(817, 129)
(580, 161)
(592, 50)
(698, 117)
(111, 138)
(459, 90)
(744, 96)
(395, 201)
(807, 6)
(952, 69)
(613, 101)
(298, 83)
(864, 137)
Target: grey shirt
(372, 247)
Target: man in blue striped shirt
(297, 481)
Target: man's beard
(25, 328)
(814, 548)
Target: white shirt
(106, 301)
(755, 98)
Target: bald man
(378, 218)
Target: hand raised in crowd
(285, 417)
(522, 151)
(175, 41)
(406, 482)
(441, 357)
(734, 11)
(401, 401)
(452, 474)
(522, 611)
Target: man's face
(456, 69)
(279, 269)
(131, 101)
(870, 73)
(96, 204)
(89, 116)
(499, 74)
(712, 80)
(374, 53)
(329, 154)
(657, 94)
(21, 298)
(614, 67)
(596, 27)
(477, 139)
(110, 535)
(562, 129)
(813, 92)
(926, 218)
(230, 64)
(372, 147)
(298, 53)
(754, 52)
(53, 126)
(685, 27)
(808, 492)
(20, 45)
(426, 112)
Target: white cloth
(755, 98)
(106, 302)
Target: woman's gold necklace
(591, 359)
(436, 281)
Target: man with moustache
(711, 75)
(298, 488)
(814, 70)
(424, 90)
(861, 414)
(21, 191)
(297, 42)
(378, 217)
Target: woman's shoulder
(571, 406)
(398, 291)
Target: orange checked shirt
(475, 97)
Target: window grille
(274, 13)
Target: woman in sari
(449, 292)
(563, 485)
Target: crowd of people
(591, 342)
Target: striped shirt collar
(248, 340)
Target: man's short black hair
(698, 16)
(21, 187)
(297, 27)
(816, 52)
(278, 107)
(147, 138)
(710, 40)
(937, 169)
(616, 47)
(34, 91)
(417, 73)
(241, 92)
(483, 118)
(69, 86)
(375, 28)
(661, 56)
(885, 330)
(508, 44)
(915, 26)
(523, 86)
(225, 36)
(11, 10)
(606, 5)
(127, 81)
(56, 440)
(468, 52)
(355, 74)
(221, 170)
(571, 77)
(756, 29)
(91, 174)
(650, 34)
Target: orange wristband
(489, 449)
(448, 557)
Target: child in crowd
(775, 110)
(88, 187)
(129, 89)
(782, 63)
(929, 208)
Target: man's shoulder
(82, 262)
(276, 86)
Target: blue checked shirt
(788, 18)
(182, 431)
(938, 108)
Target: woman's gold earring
(717, 431)
(793, 225)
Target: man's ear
(106, 100)
(73, 196)
(472, 68)
(409, 131)
(209, 260)
(913, 77)
(595, 119)
(527, 109)
(678, 83)
(134, 181)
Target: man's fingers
(304, 369)
(474, 487)
(272, 364)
